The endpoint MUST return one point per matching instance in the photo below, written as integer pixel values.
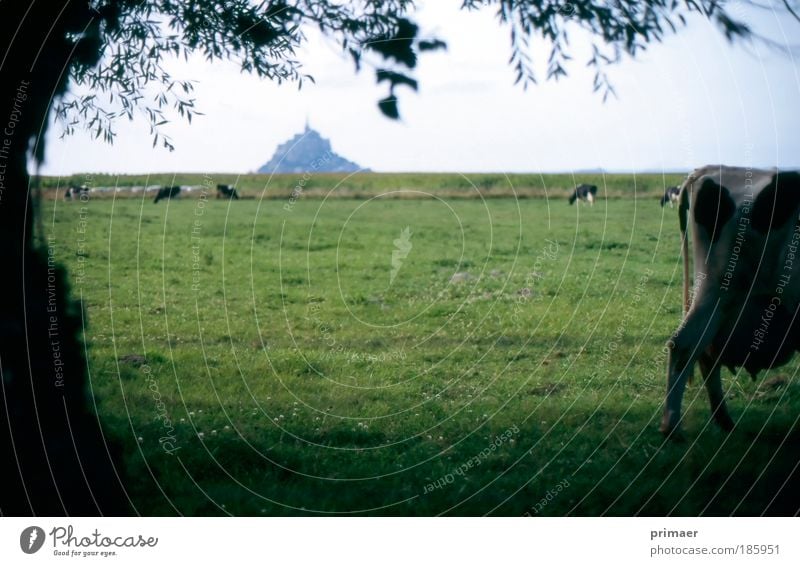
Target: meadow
(420, 355)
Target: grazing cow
(585, 193)
(671, 195)
(76, 192)
(168, 193)
(226, 191)
(745, 240)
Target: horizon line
(583, 171)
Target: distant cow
(76, 192)
(585, 193)
(167, 193)
(226, 191)
(745, 241)
(671, 195)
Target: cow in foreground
(226, 191)
(585, 193)
(167, 193)
(671, 195)
(745, 240)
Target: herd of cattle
(586, 193)
(743, 312)
(82, 192)
(583, 193)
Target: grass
(514, 363)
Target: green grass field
(407, 357)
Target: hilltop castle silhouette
(308, 151)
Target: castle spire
(307, 126)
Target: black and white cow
(670, 196)
(585, 193)
(76, 192)
(746, 245)
(167, 193)
(226, 191)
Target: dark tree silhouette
(55, 456)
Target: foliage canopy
(120, 47)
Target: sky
(690, 101)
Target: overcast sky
(690, 101)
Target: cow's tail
(683, 213)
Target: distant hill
(308, 152)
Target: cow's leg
(688, 344)
(709, 366)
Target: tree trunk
(56, 459)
